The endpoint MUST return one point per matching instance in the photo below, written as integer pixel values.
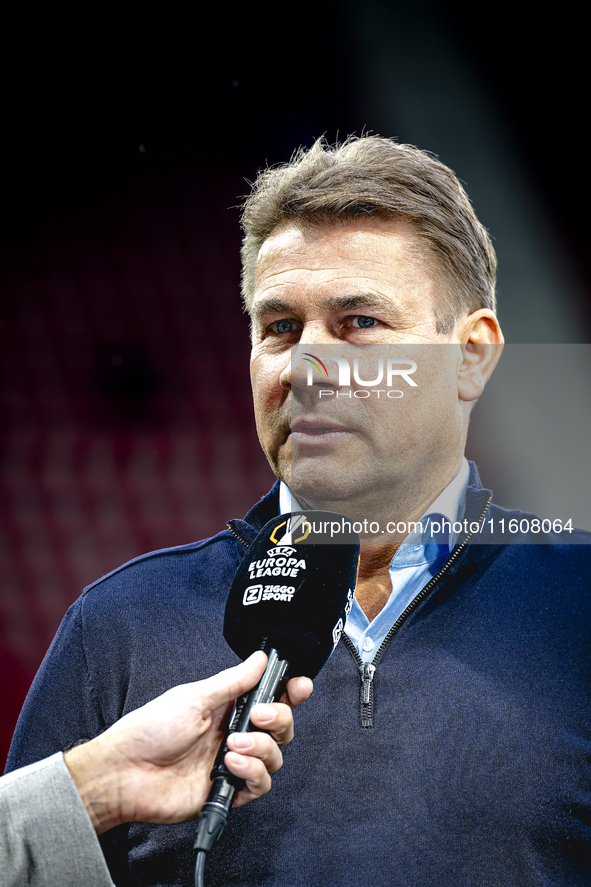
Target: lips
(321, 430)
(318, 428)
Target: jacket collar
(265, 510)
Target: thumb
(233, 682)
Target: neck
(388, 513)
(373, 583)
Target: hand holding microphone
(154, 764)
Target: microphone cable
(200, 868)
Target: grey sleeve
(46, 837)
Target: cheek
(266, 393)
(423, 419)
(440, 415)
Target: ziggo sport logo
(344, 376)
(279, 562)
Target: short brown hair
(374, 176)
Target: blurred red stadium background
(125, 401)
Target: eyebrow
(334, 303)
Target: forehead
(386, 256)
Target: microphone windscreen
(294, 589)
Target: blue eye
(364, 322)
(283, 326)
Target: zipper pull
(366, 671)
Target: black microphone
(290, 597)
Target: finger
(257, 745)
(231, 683)
(276, 718)
(254, 773)
(297, 691)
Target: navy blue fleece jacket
(476, 770)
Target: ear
(481, 342)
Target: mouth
(322, 431)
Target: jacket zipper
(234, 532)
(367, 670)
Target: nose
(310, 366)
(285, 375)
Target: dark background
(128, 140)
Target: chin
(323, 489)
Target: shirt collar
(449, 507)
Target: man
(153, 765)
(447, 738)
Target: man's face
(354, 284)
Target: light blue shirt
(417, 560)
